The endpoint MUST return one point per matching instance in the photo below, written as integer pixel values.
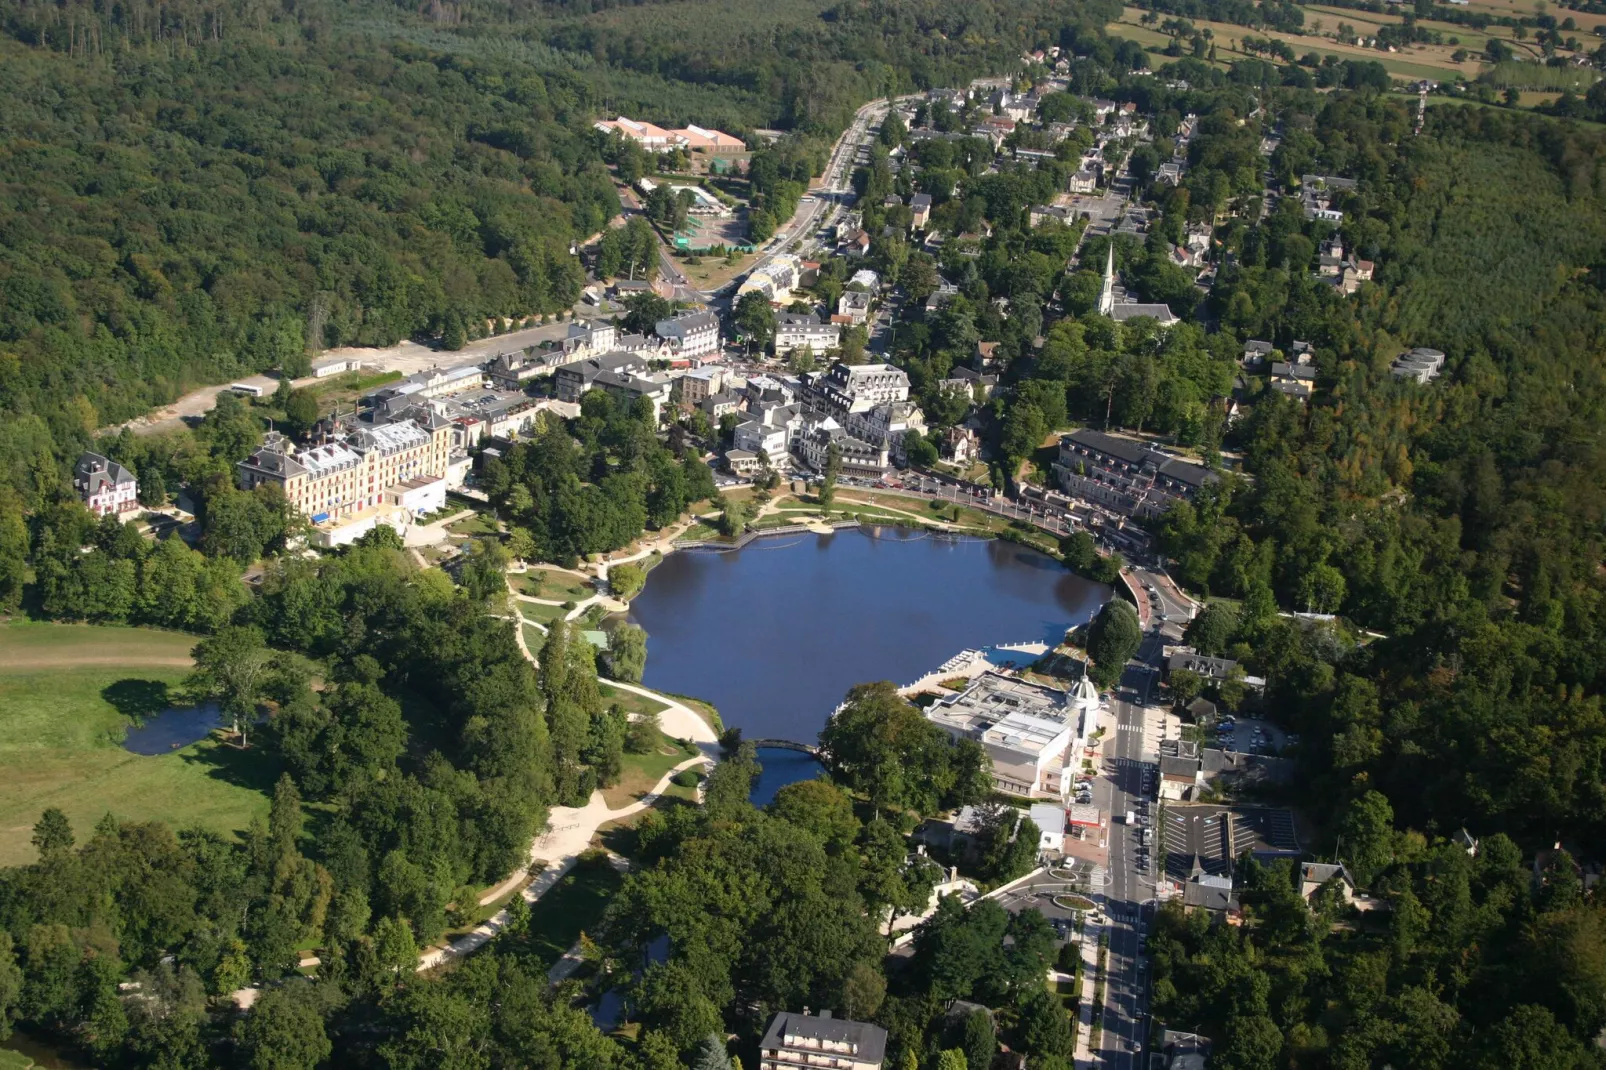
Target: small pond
(174, 727)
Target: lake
(776, 633)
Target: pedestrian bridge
(784, 744)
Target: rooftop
(867, 1043)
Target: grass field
(477, 525)
(552, 585)
(541, 613)
(629, 701)
(67, 693)
(573, 906)
(640, 773)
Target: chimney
(825, 1014)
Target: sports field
(67, 693)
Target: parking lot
(1249, 736)
(1191, 833)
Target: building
(885, 425)
(324, 367)
(813, 446)
(1212, 892)
(775, 280)
(648, 136)
(1421, 364)
(855, 306)
(1256, 354)
(512, 371)
(375, 474)
(700, 383)
(589, 340)
(820, 1041)
(1036, 736)
(573, 380)
(712, 142)
(1179, 777)
(794, 331)
(1125, 475)
(105, 487)
(1206, 668)
(1313, 876)
(691, 334)
(844, 386)
(1084, 181)
(1124, 309)
(631, 385)
(920, 210)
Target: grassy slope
(61, 733)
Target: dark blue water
(173, 728)
(774, 635)
(780, 768)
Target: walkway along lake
(776, 633)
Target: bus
(247, 390)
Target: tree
(232, 667)
(863, 992)
(626, 655)
(645, 734)
(626, 581)
(1213, 629)
(1366, 833)
(284, 1031)
(952, 1059)
(643, 311)
(828, 478)
(52, 833)
(1251, 1042)
(1112, 639)
(301, 410)
(711, 1054)
(1185, 686)
(755, 318)
(980, 1041)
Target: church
(1127, 309)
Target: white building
(1036, 736)
(807, 1042)
(692, 334)
(327, 366)
(797, 331)
(104, 486)
(776, 279)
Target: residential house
(717, 405)
(920, 209)
(805, 1042)
(1256, 354)
(1295, 380)
(794, 331)
(1083, 181)
(855, 306)
(513, 371)
(1313, 876)
(700, 383)
(1180, 777)
(959, 445)
(1043, 213)
(105, 487)
(589, 340)
(1206, 667)
(1213, 893)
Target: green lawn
(641, 772)
(67, 693)
(534, 638)
(541, 614)
(555, 586)
(574, 906)
(629, 700)
(477, 525)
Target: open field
(552, 585)
(1419, 61)
(641, 773)
(477, 525)
(629, 701)
(540, 612)
(67, 692)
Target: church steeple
(1107, 295)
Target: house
(1083, 181)
(1042, 213)
(690, 334)
(1169, 174)
(512, 371)
(1256, 354)
(986, 354)
(1179, 777)
(1313, 876)
(701, 383)
(1213, 893)
(105, 487)
(855, 306)
(775, 280)
(1125, 475)
(867, 279)
(573, 380)
(1205, 667)
(920, 209)
(629, 386)
(959, 445)
(717, 405)
(794, 331)
(806, 1041)
(1035, 735)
